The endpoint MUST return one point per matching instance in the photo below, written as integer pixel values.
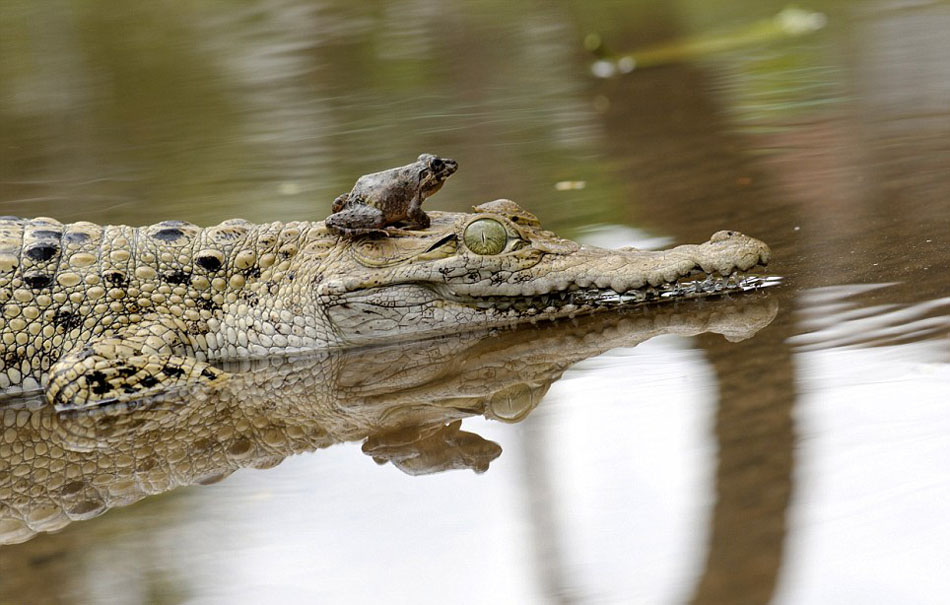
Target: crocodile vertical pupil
(485, 236)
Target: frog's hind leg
(356, 220)
(146, 360)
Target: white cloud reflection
(869, 519)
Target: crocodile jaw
(584, 281)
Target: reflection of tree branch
(694, 150)
(400, 398)
(790, 22)
(554, 577)
(756, 436)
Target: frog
(382, 199)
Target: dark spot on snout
(12, 358)
(208, 263)
(38, 281)
(127, 371)
(76, 237)
(42, 251)
(207, 304)
(47, 234)
(168, 235)
(178, 277)
(73, 487)
(173, 371)
(98, 382)
(116, 278)
(252, 272)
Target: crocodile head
(497, 266)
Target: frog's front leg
(415, 216)
(142, 361)
(357, 219)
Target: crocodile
(404, 401)
(94, 315)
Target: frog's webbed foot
(135, 364)
(339, 202)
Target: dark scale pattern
(176, 277)
(208, 263)
(160, 290)
(42, 251)
(168, 235)
(76, 237)
(67, 320)
(116, 278)
(38, 281)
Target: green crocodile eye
(485, 236)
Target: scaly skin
(404, 401)
(98, 315)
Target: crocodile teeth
(569, 299)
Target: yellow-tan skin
(98, 314)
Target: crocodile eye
(485, 236)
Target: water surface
(805, 463)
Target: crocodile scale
(172, 291)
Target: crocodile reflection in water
(405, 402)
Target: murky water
(640, 458)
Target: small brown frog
(380, 199)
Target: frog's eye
(436, 165)
(485, 236)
